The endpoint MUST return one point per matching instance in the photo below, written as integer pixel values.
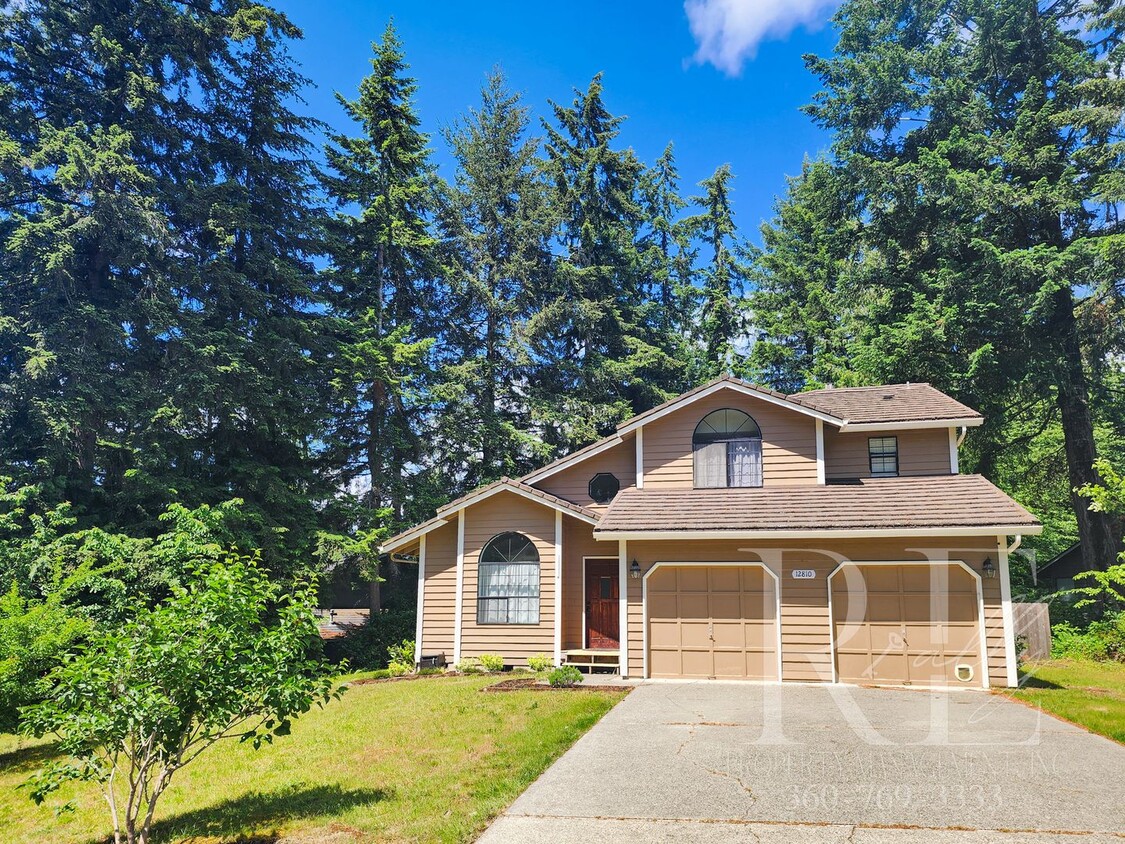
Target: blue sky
(722, 79)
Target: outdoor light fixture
(988, 569)
(635, 569)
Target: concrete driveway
(715, 762)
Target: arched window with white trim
(508, 581)
(727, 450)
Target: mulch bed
(531, 684)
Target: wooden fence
(1033, 625)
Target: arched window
(727, 450)
(508, 581)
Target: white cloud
(729, 31)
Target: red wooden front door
(602, 608)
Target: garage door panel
(724, 623)
(693, 606)
(881, 579)
(760, 635)
(724, 579)
(664, 634)
(663, 606)
(908, 633)
(692, 579)
(883, 608)
(726, 606)
(695, 634)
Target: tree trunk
(1095, 530)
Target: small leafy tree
(226, 656)
(1106, 588)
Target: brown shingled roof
(934, 501)
(887, 403)
(512, 483)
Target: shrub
(402, 653)
(227, 656)
(564, 676)
(540, 663)
(1100, 641)
(470, 665)
(492, 662)
(398, 669)
(365, 646)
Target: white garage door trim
(980, 606)
(712, 564)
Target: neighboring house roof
(477, 495)
(928, 504)
(1068, 557)
(889, 404)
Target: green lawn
(424, 760)
(1088, 693)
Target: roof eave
(821, 533)
(913, 424)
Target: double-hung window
(882, 452)
(508, 581)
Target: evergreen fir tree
(383, 292)
(496, 225)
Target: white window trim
(882, 454)
(980, 608)
(539, 584)
(722, 563)
(421, 600)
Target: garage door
(712, 622)
(907, 625)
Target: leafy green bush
(540, 663)
(34, 637)
(398, 669)
(470, 665)
(1100, 641)
(402, 653)
(226, 656)
(565, 676)
(492, 662)
(366, 646)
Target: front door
(602, 608)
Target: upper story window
(603, 486)
(508, 581)
(883, 454)
(727, 450)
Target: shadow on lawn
(243, 816)
(27, 758)
(1031, 681)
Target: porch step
(591, 659)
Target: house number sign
(804, 574)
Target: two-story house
(737, 532)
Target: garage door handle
(711, 631)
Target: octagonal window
(603, 486)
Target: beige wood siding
(573, 482)
(921, 452)
(578, 542)
(502, 512)
(805, 635)
(439, 595)
(788, 442)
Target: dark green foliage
(226, 656)
(564, 676)
(366, 646)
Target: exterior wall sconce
(987, 568)
(635, 569)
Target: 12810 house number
(804, 574)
